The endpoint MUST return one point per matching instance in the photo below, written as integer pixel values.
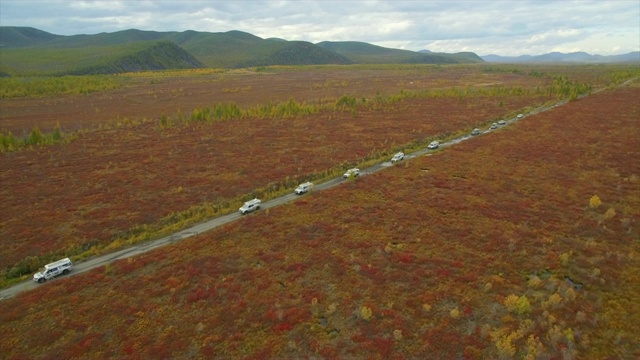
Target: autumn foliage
(491, 248)
(115, 181)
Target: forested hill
(158, 55)
(29, 51)
(139, 56)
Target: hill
(28, 51)
(364, 53)
(13, 37)
(160, 55)
(465, 56)
(107, 59)
(298, 53)
(237, 49)
(558, 57)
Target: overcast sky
(502, 27)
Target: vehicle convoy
(433, 145)
(250, 206)
(351, 172)
(60, 267)
(303, 188)
(397, 157)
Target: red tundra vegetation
(120, 175)
(150, 95)
(522, 243)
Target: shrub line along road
(219, 221)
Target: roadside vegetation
(518, 244)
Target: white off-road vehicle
(433, 145)
(303, 188)
(397, 157)
(351, 172)
(250, 206)
(60, 267)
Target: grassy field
(513, 244)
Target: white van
(60, 267)
(303, 188)
(351, 172)
(250, 206)
(397, 157)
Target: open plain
(520, 243)
(127, 168)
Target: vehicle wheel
(41, 280)
(65, 271)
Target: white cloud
(554, 36)
(97, 5)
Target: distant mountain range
(29, 51)
(558, 57)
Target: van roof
(57, 263)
